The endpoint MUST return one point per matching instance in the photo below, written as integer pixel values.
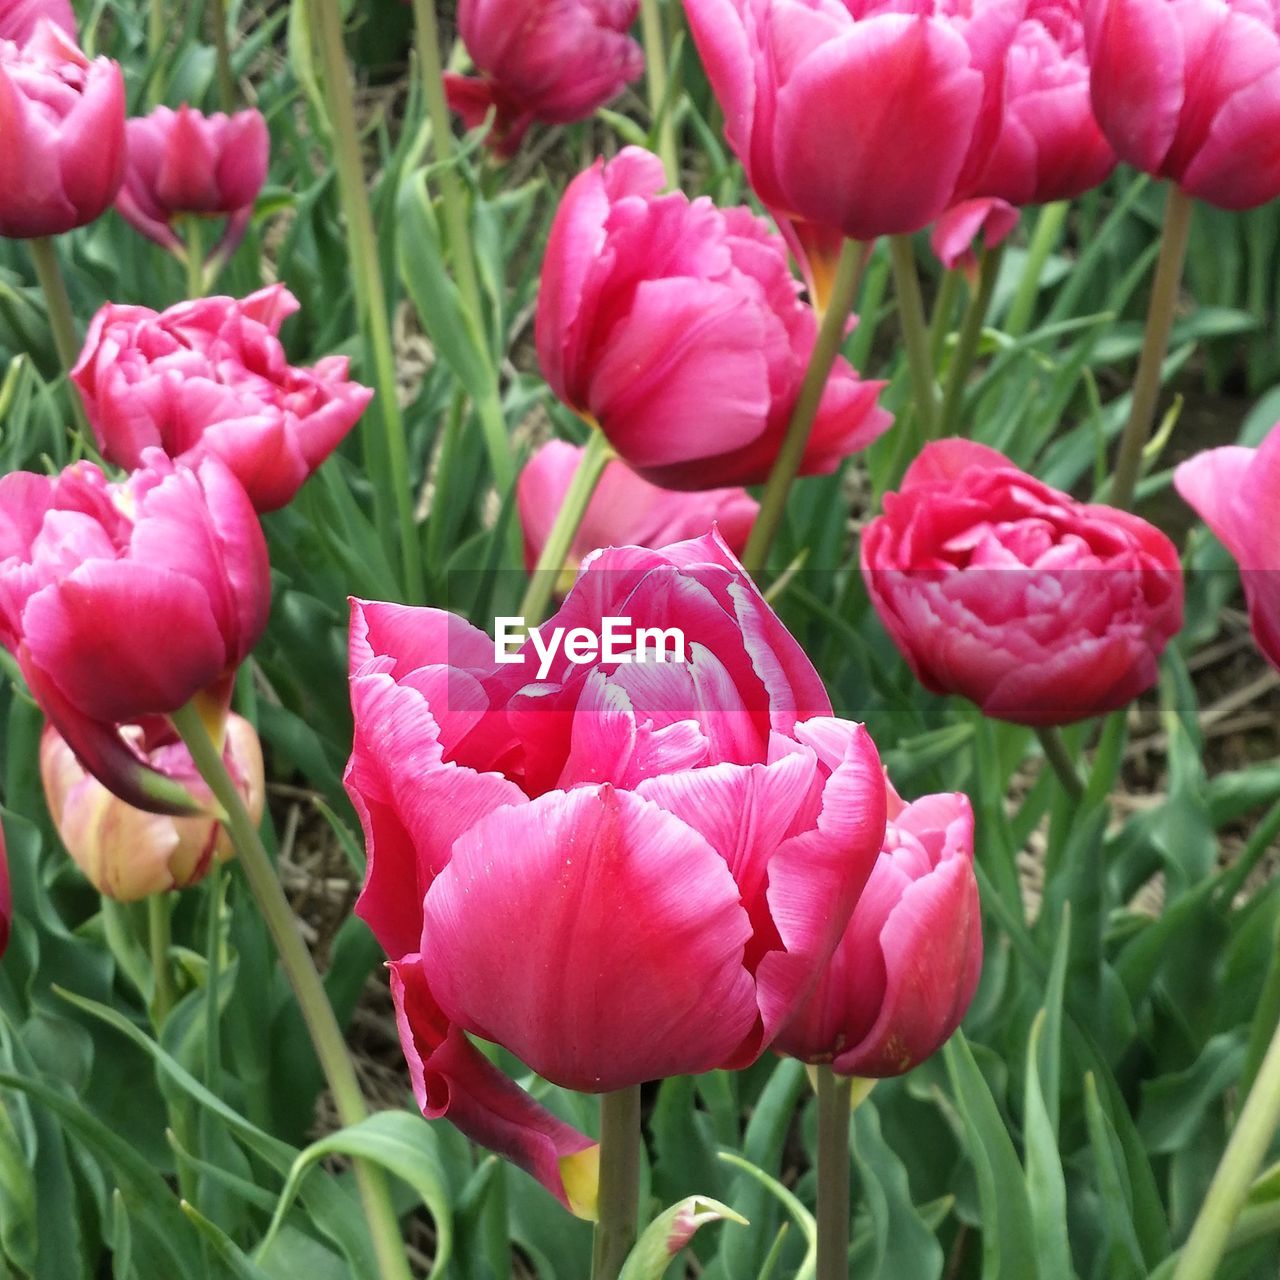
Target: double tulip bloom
(1041, 609)
(210, 378)
(124, 601)
(62, 121)
(625, 509)
(1236, 492)
(1189, 90)
(18, 18)
(128, 853)
(619, 871)
(183, 163)
(553, 61)
(677, 328)
(905, 971)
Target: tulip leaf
(803, 1218)
(1121, 1252)
(1046, 1183)
(239, 1266)
(666, 1236)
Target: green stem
(940, 322)
(157, 21)
(213, 975)
(1250, 1140)
(44, 255)
(619, 1182)
(1059, 758)
(1044, 239)
(555, 551)
(193, 254)
(295, 959)
(1155, 346)
(915, 333)
(1254, 850)
(773, 503)
(222, 49)
(655, 70)
(159, 936)
(966, 352)
(834, 1109)
(326, 23)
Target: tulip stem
(1044, 239)
(295, 959)
(655, 70)
(966, 352)
(222, 49)
(1059, 758)
(619, 1182)
(391, 470)
(1250, 1140)
(157, 20)
(1155, 346)
(773, 502)
(193, 255)
(835, 1107)
(915, 333)
(555, 551)
(159, 935)
(44, 255)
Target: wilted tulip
(626, 510)
(1041, 609)
(124, 601)
(18, 18)
(550, 60)
(128, 853)
(677, 327)
(210, 377)
(618, 869)
(1189, 90)
(901, 979)
(62, 121)
(1236, 491)
(183, 162)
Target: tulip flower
(125, 601)
(1041, 609)
(906, 969)
(62, 120)
(6, 898)
(618, 869)
(1190, 91)
(677, 327)
(18, 18)
(185, 163)
(210, 378)
(550, 60)
(1236, 491)
(625, 509)
(128, 853)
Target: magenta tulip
(677, 327)
(956, 231)
(625, 510)
(902, 978)
(124, 601)
(210, 378)
(1189, 90)
(62, 121)
(185, 163)
(18, 18)
(550, 60)
(1236, 491)
(1041, 609)
(128, 853)
(618, 869)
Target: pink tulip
(6, 898)
(906, 969)
(956, 231)
(1236, 491)
(549, 60)
(911, 88)
(18, 18)
(677, 327)
(182, 162)
(620, 871)
(1041, 609)
(1189, 90)
(625, 509)
(128, 853)
(210, 378)
(124, 601)
(62, 121)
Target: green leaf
(803, 1218)
(238, 1265)
(1121, 1250)
(664, 1238)
(1046, 1184)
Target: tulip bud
(18, 18)
(62, 121)
(183, 162)
(127, 853)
